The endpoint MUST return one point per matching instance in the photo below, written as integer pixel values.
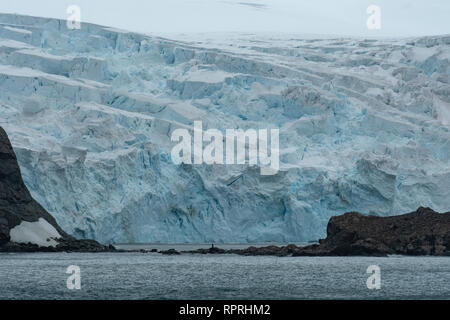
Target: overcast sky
(338, 17)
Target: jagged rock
(423, 232)
(212, 250)
(17, 206)
(170, 252)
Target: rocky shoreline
(422, 232)
(65, 245)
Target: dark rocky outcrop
(17, 205)
(212, 250)
(251, 251)
(423, 232)
(170, 252)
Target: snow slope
(364, 125)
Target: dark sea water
(155, 276)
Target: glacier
(364, 126)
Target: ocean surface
(187, 276)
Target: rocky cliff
(423, 232)
(24, 224)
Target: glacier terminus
(363, 126)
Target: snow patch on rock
(40, 232)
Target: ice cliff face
(364, 126)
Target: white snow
(17, 30)
(13, 71)
(40, 232)
(205, 76)
(13, 44)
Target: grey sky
(340, 17)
